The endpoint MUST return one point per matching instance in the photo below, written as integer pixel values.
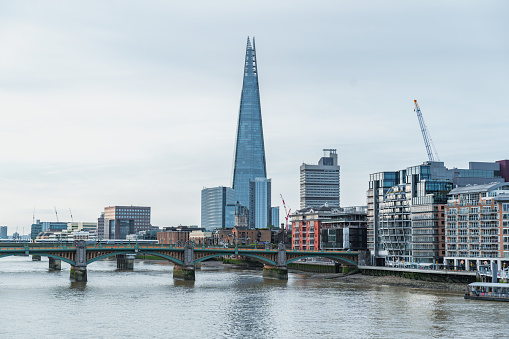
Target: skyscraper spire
(249, 162)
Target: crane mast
(287, 212)
(428, 142)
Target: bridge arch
(8, 255)
(258, 258)
(111, 254)
(322, 255)
(69, 261)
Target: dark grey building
(348, 238)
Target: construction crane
(430, 147)
(56, 213)
(287, 212)
(71, 215)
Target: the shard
(249, 163)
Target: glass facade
(249, 162)
(275, 216)
(406, 221)
(259, 203)
(214, 201)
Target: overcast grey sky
(136, 102)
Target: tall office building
(319, 184)
(249, 151)
(249, 163)
(259, 203)
(275, 216)
(100, 226)
(213, 207)
(120, 221)
(3, 232)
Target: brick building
(308, 223)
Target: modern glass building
(213, 207)
(3, 232)
(249, 162)
(275, 216)
(406, 210)
(252, 189)
(259, 203)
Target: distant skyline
(130, 103)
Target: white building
(319, 184)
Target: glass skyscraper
(214, 202)
(249, 161)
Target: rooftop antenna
(56, 213)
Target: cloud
(124, 102)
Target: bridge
(185, 258)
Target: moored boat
(488, 291)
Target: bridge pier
(36, 257)
(275, 272)
(183, 273)
(186, 271)
(55, 264)
(78, 274)
(281, 270)
(125, 261)
(79, 271)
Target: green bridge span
(185, 258)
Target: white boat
(488, 291)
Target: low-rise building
(77, 226)
(176, 235)
(308, 223)
(201, 237)
(242, 236)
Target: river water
(148, 303)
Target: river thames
(148, 303)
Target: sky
(136, 102)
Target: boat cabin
(488, 291)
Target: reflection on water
(183, 283)
(147, 302)
(78, 285)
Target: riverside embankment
(350, 278)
